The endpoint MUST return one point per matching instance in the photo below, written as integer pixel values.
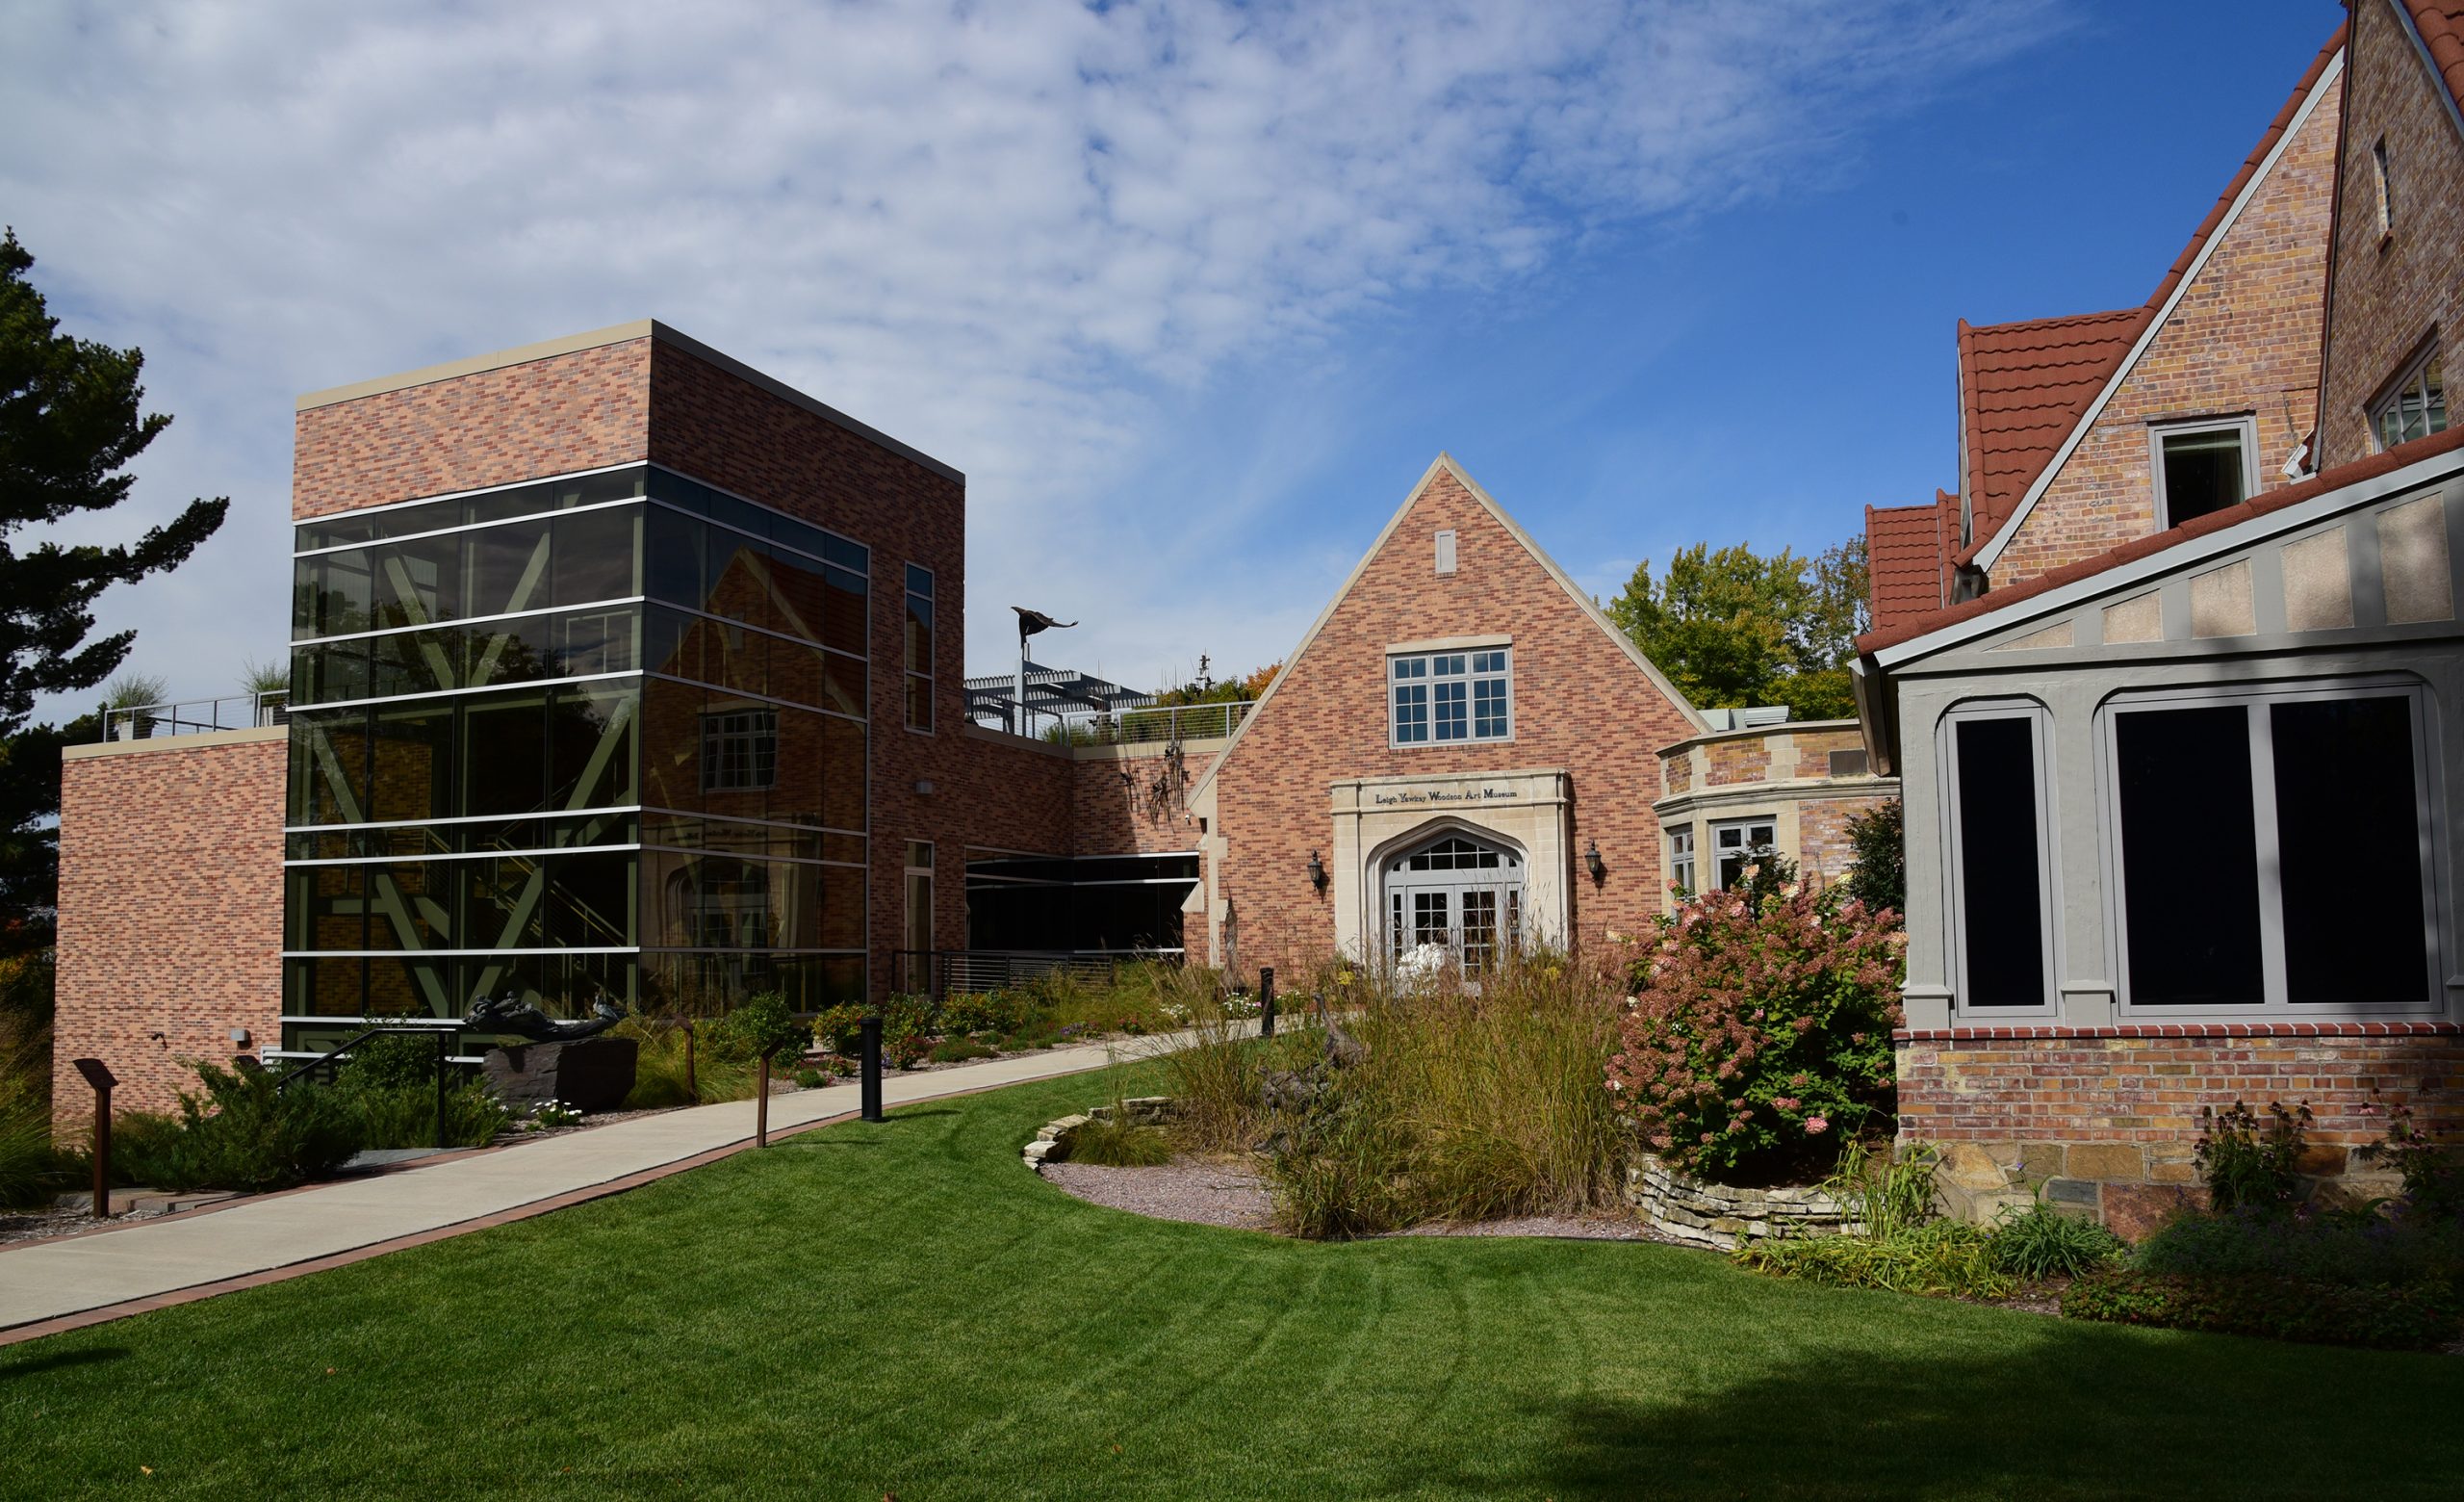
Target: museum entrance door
(1457, 891)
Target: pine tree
(69, 427)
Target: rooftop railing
(196, 716)
(1133, 727)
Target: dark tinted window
(2001, 876)
(2202, 473)
(2348, 831)
(2190, 856)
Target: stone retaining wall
(1705, 1214)
(1052, 1139)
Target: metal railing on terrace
(1134, 727)
(196, 716)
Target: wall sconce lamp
(1592, 862)
(1317, 871)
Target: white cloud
(1031, 237)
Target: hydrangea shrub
(1758, 1030)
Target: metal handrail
(444, 1036)
(195, 716)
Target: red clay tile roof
(1881, 638)
(2441, 24)
(2024, 386)
(1906, 553)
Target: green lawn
(903, 1308)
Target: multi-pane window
(739, 750)
(2415, 406)
(2000, 872)
(1735, 845)
(1680, 859)
(2274, 850)
(1452, 696)
(920, 648)
(2203, 467)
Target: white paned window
(1680, 859)
(2415, 406)
(1452, 696)
(1738, 842)
(2202, 467)
(2273, 850)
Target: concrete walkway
(306, 1229)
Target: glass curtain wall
(591, 737)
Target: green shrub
(1880, 877)
(241, 1132)
(391, 1061)
(999, 1012)
(405, 1116)
(1950, 1258)
(958, 1051)
(2039, 1243)
(660, 1075)
(2249, 1163)
(2354, 1248)
(2433, 1176)
(1115, 1143)
(759, 1025)
(1760, 1032)
(1339, 1175)
(811, 1079)
(2279, 1309)
(840, 1028)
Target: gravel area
(1207, 1193)
(1230, 1193)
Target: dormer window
(2415, 405)
(2202, 466)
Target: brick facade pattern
(171, 915)
(1110, 815)
(1580, 704)
(2389, 292)
(2242, 339)
(2118, 1109)
(582, 410)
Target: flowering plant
(1758, 1031)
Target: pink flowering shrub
(1758, 1032)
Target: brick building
(2178, 777)
(624, 672)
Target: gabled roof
(2029, 391)
(1883, 638)
(1444, 464)
(2022, 387)
(2438, 25)
(1905, 549)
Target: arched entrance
(1455, 890)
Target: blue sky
(1193, 294)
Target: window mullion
(2263, 818)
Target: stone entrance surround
(1376, 817)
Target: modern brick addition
(171, 911)
(1582, 704)
(2392, 291)
(2105, 1119)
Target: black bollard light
(762, 1103)
(1265, 1002)
(872, 1068)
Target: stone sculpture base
(588, 1074)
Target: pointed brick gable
(1585, 701)
(2055, 412)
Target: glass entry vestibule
(1458, 892)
